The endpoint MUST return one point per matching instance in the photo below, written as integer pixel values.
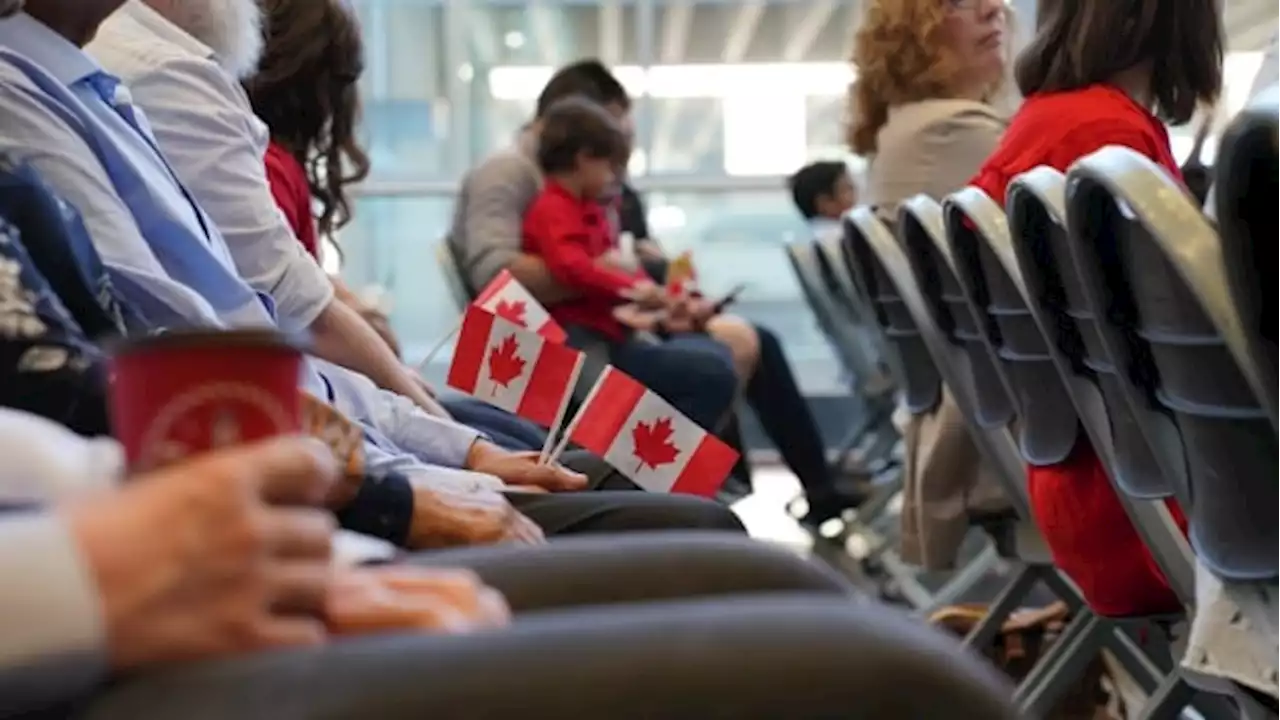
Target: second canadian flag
(649, 441)
(513, 368)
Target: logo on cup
(209, 417)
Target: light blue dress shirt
(75, 124)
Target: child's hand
(647, 295)
(637, 318)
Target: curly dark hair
(306, 92)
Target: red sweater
(570, 233)
(293, 195)
(1086, 528)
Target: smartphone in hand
(728, 298)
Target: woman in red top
(1099, 73)
(305, 91)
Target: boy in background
(823, 192)
(580, 148)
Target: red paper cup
(187, 392)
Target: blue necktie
(115, 94)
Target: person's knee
(703, 514)
(742, 340)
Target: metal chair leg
(1149, 672)
(963, 580)
(1063, 665)
(1004, 605)
(1168, 701)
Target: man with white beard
(181, 61)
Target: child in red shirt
(580, 146)
(1090, 81)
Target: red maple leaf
(653, 446)
(505, 364)
(512, 311)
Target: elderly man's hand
(444, 517)
(221, 554)
(401, 598)
(522, 469)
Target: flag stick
(573, 424)
(422, 366)
(564, 407)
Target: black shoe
(832, 504)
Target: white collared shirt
(206, 128)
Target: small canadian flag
(508, 299)
(513, 368)
(649, 441)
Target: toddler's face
(598, 175)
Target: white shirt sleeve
(207, 130)
(45, 462)
(36, 135)
(50, 615)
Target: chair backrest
(888, 262)
(1246, 213)
(917, 376)
(834, 320)
(855, 309)
(981, 244)
(1021, 255)
(1037, 220)
(922, 233)
(452, 275)
(1153, 273)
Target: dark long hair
(306, 92)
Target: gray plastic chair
(838, 320)
(1154, 269)
(918, 377)
(1048, 412)
(452, 275)
(922, 233)
(879, 254)
(1245, 204)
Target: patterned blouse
(55, 296)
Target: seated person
(171, 263)
(197, 110)
(486, 238)
(578, 150)
(305, 91)
(1073, 109)
(100, 620)
(823, 192)
(770, 384)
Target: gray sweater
(486, 232)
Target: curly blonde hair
(899, 56)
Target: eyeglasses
(970, 5)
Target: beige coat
(934, 147)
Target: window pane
(738, 237)
(406, 124)
(747, 89)
(389, 250)
(536, 34)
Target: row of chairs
(1105, 302)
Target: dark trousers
(785, 416)
(506, 430)
(690, 370)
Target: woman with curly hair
(926, 73)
